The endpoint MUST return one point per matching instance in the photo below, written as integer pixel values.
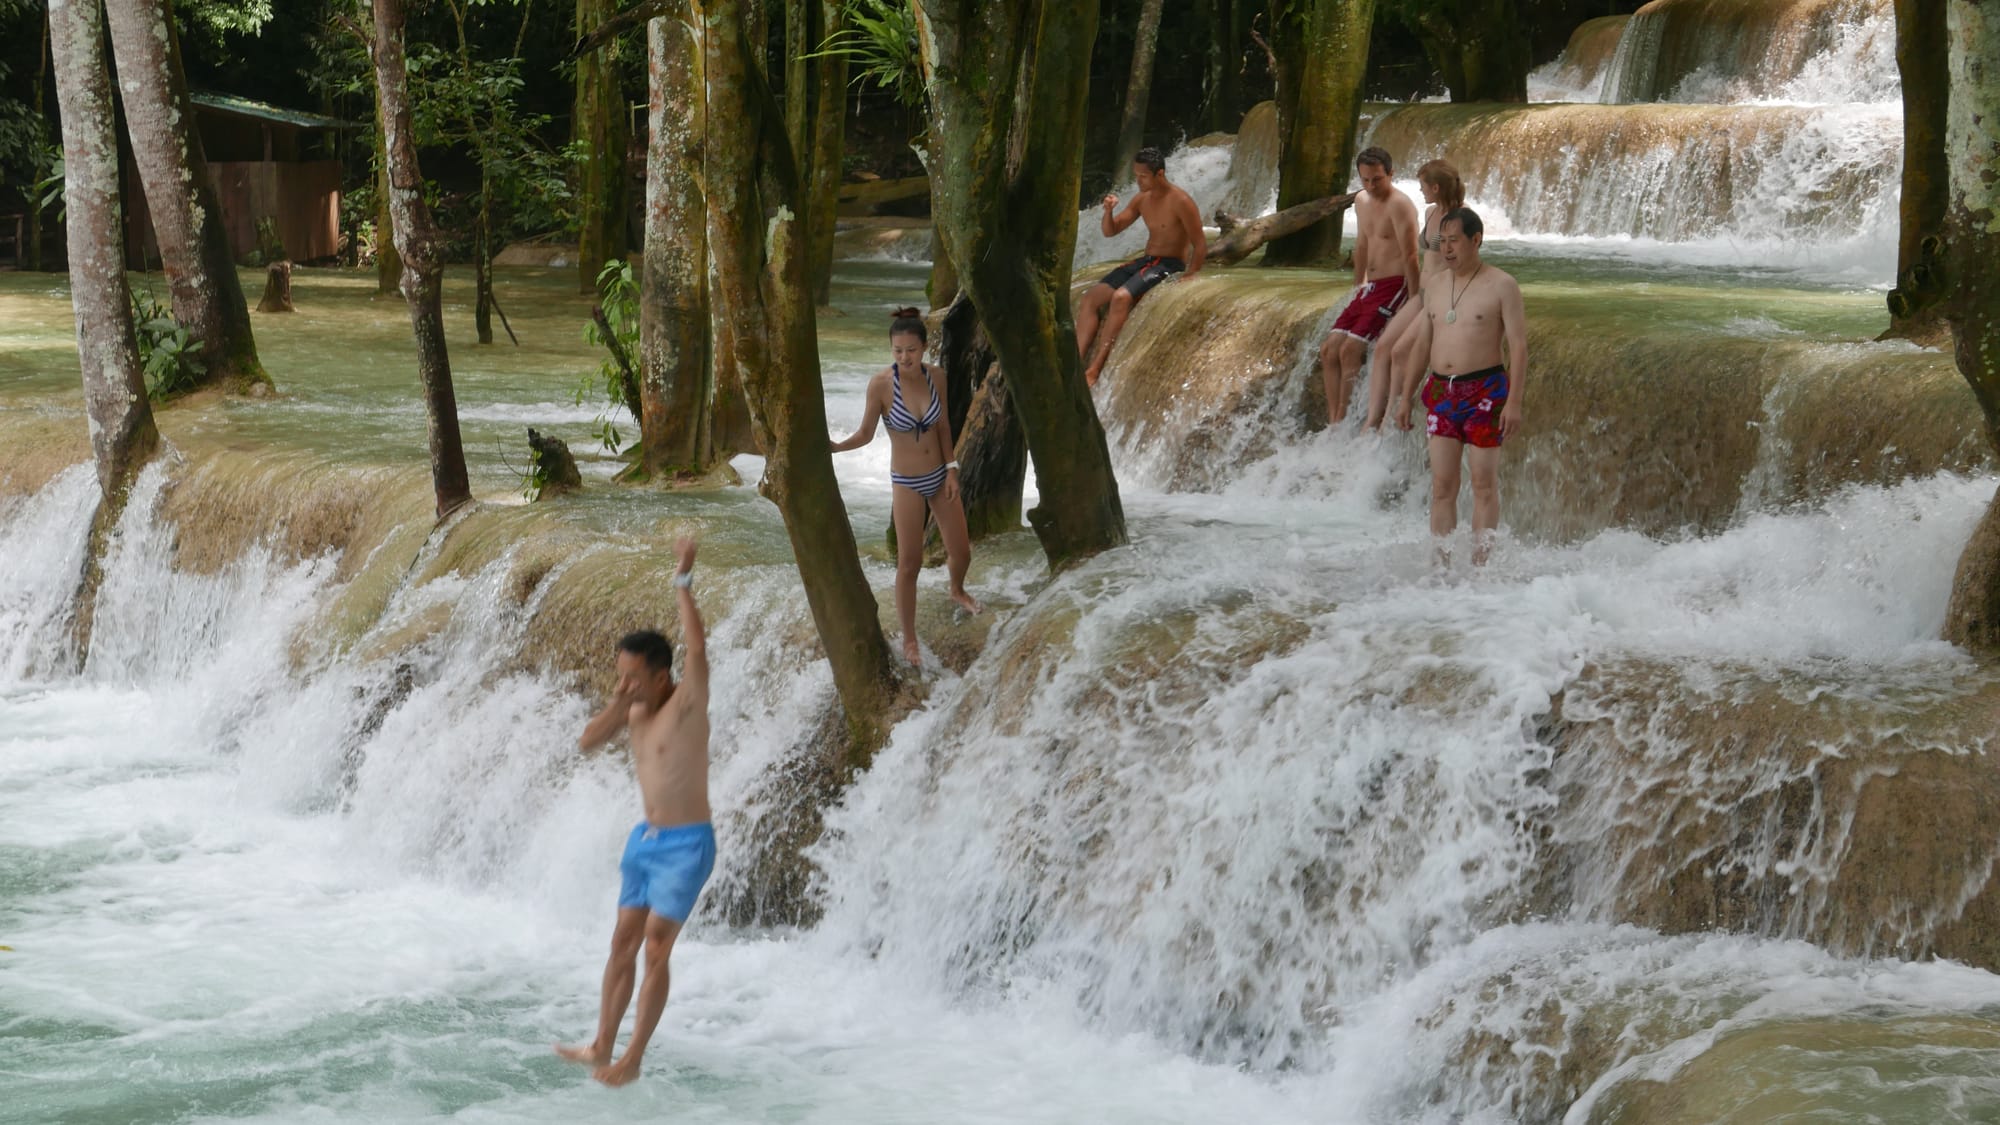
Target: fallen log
(1242, 237)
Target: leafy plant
(52, 190)
(880, 41)
(168, 352)
(618, 295)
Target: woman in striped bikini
(920, 467)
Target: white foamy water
(1243, 841)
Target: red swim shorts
(1368, 313)
(1467, 407)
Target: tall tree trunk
(828, 127)
(677, 386)
(1138, 90)
(799, 43)
(599, 128)
(1916, 303)
(992, 451)
(122, 435)
(1972, 225)
(422, 256)
(194, 247)
(754, 199)
(1322, 53)
(1495, 52)
(482, 261)
(1004, 194)
(41, 169)
(1235, 33)
(388, 263)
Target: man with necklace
(1473, 395)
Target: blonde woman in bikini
(1395, 367)
(908, 399)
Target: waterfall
(1748, 178)
(1815, 52)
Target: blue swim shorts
(664, 869)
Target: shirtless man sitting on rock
(1385, 274)
(1471, 313)
(1173, 226)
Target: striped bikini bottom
(925, 485)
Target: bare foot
(1091, 373)
(620, 1073)
(967, 603)
(911, 654)
(589, 1054)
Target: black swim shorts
(1142, 273)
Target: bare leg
(1485, 472)
(1382, 377)
(1114, 322)
(660, 935)
(1445, 454)
(907, 509)
(1404, 362)
(1087, 311)
(950, 516)
(1329, 374)
(1352, 351)
(619, 971)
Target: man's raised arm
(605, 725)
(694, 638)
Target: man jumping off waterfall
(1385, 273)
(669, 855)
(1173, 226)
(1471, 397)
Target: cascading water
(1788, 120)
(1262, 818)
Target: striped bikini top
(899, 417)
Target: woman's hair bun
(908, 313)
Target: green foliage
(880, 42)
(168, 352)
(618, 294)
(51, 190)
(536, 478)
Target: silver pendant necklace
(1451, 314)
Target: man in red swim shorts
(1471, 398)
(1385, 271)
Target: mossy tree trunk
(755, 196)
(1322, 53)
(122, 434)
(992, 451)
(1916, 303)
(388, 264)
(422, 254)
(187, 218)
(677, 382)
(828, 146)
(1007, 81)
(1138, 90)
(598, 127)
(1972, 246)
(815, 120)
